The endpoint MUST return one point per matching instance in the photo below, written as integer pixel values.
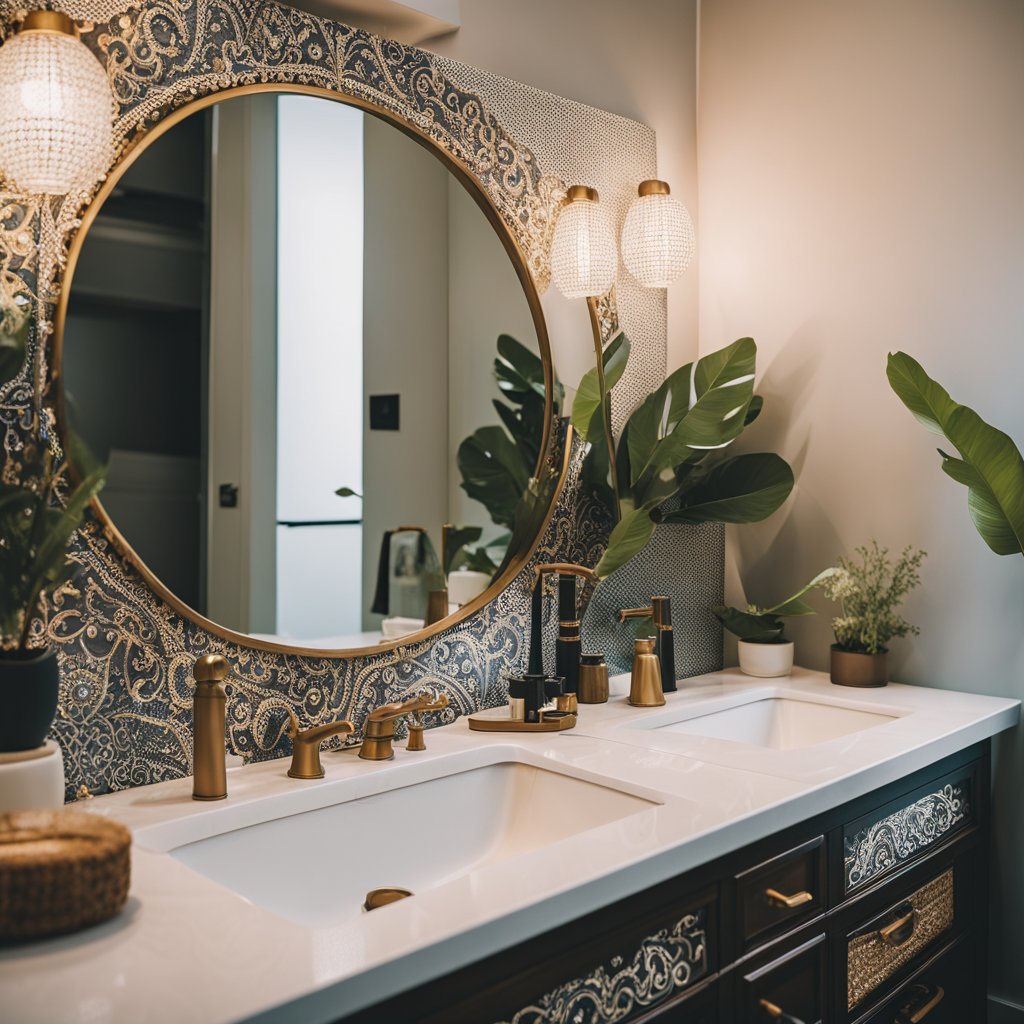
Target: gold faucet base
(218, 796)
(293, 774)
(487, 721)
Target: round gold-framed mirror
(143, 499)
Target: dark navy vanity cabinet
(873, 913)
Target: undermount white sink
(771, 722)
(778, 723)
(316, 868)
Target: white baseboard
(1002, 1012)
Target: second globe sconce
(658, 241)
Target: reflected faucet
(306, 745)
(379, 727)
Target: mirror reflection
(283, 334)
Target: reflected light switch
(383, 412)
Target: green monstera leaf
(990, 464)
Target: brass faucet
(306, 745)
(209, 748)
(379, 727)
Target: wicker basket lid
(60, 871)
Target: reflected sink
(315, 868)
(779, 723)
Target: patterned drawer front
(892, 941)
(622, 989)
(873, 846)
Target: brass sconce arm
(306, 745)
(567, 568)
(379, 727)
(636, 613)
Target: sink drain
(383, 896)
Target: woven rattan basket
(871, 960)
(60, 871)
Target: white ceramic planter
(32, 780)
(766, 660)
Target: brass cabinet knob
(798, 899)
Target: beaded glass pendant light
(658, 241)
(583, 252)
(55, 108)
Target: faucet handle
(436, 701)
(306, 745)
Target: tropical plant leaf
(630, 536)
(589, 398)
(347, 492)
(758, 629)
(518, 370)
(795, 605)
(753, 410)
(743, 489)
(493, 473)
(990, 466)
(459, 537)
(723, 389)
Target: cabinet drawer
(781, 893)
(940, 993)
(897, 937)
(698, 1007)
(789, 987)
(895, 834)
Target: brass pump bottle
(209, 710)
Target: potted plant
(763, 649)
(668, 464)
(40, 510)
(870, 589)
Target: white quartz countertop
(187, 948)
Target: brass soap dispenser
(209, 748)
(645, 683)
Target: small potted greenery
(763, 648)
(41, 507)
(870, 590)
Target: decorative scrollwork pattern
(124, 717)
(898, 836)
(666, 962)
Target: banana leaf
(990, 464)
(743, 489)
(758, 629)
(493, 473)
(589, 397)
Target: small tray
(488, 721)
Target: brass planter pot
(853, 668)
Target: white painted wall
(405, 341)
(861, 174)
(485, 299)
(242, 384)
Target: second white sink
(779, 723)
(315, 868)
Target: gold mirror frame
(519, 262)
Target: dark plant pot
(28, 696)
(853, 668)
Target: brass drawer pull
(776, 1013)
(897, 933)
(924, 1009)
(796, 900)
